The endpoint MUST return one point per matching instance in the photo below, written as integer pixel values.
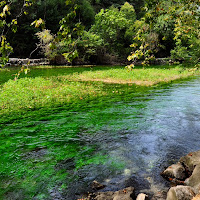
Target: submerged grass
(44, 151)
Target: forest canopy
(99, 31)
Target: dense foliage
(100, 31)
(168, 28)
(110, 34)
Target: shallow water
(123, 141)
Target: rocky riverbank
(60, 60)
(184, 177)
(31, 62)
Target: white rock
(180, 192)
(142, 196)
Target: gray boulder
(180, 192)
(13, 60)
(31, 62)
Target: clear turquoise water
(122, 140)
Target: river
(120, 142)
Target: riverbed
(120, 141)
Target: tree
(91, 48)
(51, 11)
(8, 22)
(85, 13)
(187, 32)
(113, 25)
(168, 22)
(64, 43)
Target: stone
(197, 197)
(13, 60)
(25, 61)
(194, 179)
(97, 186)
(175, 171)
(180, 192)
(190, 161)
(8, 64)
(104, 196)
(18, 61)
(160, 196)
(142, 196)
(125, 194)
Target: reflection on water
(127, 142)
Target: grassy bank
(140, 76)
(35, 93)
(77, 84)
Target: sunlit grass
(138, 76)
(35, 93)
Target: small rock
(8, 64)
(142, 196)
(180, 193)
(175, 171)
(160, 196)
(97, 186)
(197, 197)
(125, 194)
(104, 196)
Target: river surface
(120, 142)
